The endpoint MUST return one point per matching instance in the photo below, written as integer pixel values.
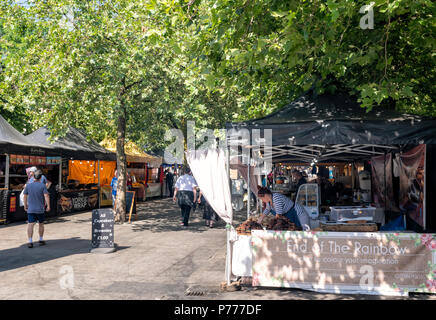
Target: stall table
(154, 190)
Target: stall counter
(77, 200)
(381, 263)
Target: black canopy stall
(83, 157)
(330, 128)
(74, 145)
(16, 153)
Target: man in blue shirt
(32, 178)
(114, 184)
(35, 194)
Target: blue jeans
(291, 215)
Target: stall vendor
(277, 203)
(298, 176)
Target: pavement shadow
(22, 256)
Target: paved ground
(156, 259)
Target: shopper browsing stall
(276, 203)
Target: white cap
(32, 169)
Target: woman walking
(186, 194)
(209, 215)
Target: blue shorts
(33, 217)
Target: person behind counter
(34, 195)
(298, 176)
(277, 203)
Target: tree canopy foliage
(162, 63)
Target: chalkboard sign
(3, 204)
(102, 229)
(130, 203)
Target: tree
(271, 51)
(91, 64)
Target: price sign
(102, 228)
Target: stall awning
(133, 153)
(12, 141)
(74, 145)
(339, 120)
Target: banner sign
(77, 200)
(383, 191)
(3, 203)
(345, 262)
(412, 184)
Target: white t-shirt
(186, 183)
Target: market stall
(85, 164)
(18, 153)
(140, 167)
(377, 237)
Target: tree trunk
(121, 167)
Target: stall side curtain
(84, 171)
(383, 191)
(107, 172)
(412, 179)
(161, 174)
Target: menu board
(102, 228)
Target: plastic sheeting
(83, 171)
(209, 170)
(87, 171)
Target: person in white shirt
(185, 193)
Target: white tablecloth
(153, 190)
(242, 258)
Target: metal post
(248, 184)
(228, 272)
(99, 186)
(7, 172)
(60, 175)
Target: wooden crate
(349, 227)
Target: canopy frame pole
(248, 184)
(60, 175)
(228, 227)
(424, 216)
(99, 186)
(7, 171)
